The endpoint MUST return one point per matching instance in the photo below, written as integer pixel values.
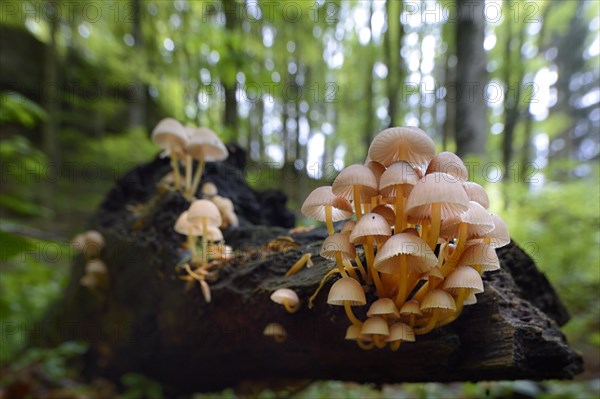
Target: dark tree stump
(147, 322)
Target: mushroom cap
(224, 204)
(438, 299)
(170, 135)
(89, 243)
(464, 277)
(471, 299)
(479, 253)
(213, 233)
(420, 257)
(376, 167)
(355, 175)
(94, 237)
(450, 163)
(183, 226)
(436, 187)
(314, 205)
(476, 193)
(348, 227)
(89, 280)
(401, 332)
(230, 218)
(338, 243)
(203, 208)
(370, 225)
(280, 295)
(383, 307)
(203, 142)
(398, 173)
(209, 189)
(95, 266)
(477, 218)
(387, 211)
(352, 332)
(434, 273)
(275, 330)
(409, 144)
(346, 289)
(375, 326)
(498, 237)
(411, 307)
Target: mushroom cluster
(203, 219)
(182, 145)
(90, 244)
(425, 232)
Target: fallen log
(146, 320)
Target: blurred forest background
(303, 87)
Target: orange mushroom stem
(197, 176)
(369, 254)
(304, 259)
(460, 300)
(329, 219)
(321, 284)
(430, 325)
(364, 345)
(403, 276)
(175, 167)
(396, 344)
(350, 314)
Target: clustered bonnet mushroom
(90, 243)
(425, 231)
(185, 144)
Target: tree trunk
(146, 321)
(230, 117)
(137, 108)
(471, 110)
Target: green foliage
(15, 107)
(137, 386)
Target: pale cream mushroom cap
(355, 175)
(375, 326)
(498, 237)
(96, 266)
(338, 243)
(384, 307)
(203, 208)
(387, 147)
(348, 290)
(387, 211)
(224, 204)
(281, 295)
(479, 222)
(170, 135)
(420, 257)
(463, 277)
(450, 163)
(411, 307)
(370, 225)
(276, 331)
(471, 299)
(401, 332)
(438, 299)
(314, 205)
(204, 143)
(479, 253)
(348, 227)
(183, 226)
(398, 173)
(476, 193)
(209, 189)
(436, 188)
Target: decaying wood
(147, 322)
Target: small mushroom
(90, 243)
(275, 331)
(323, 205)
(400, 332)
(170, 135)
(209, 190)
(205, 146)
(353, 334)
(339, 248)
(385, 308)
(288, 298)
(397, 182)
(376, 328)
(450, 163)
(437, 303)
(347, 292)
(411, 309)
(356, 183)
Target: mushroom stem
(370, 255)
(395, 345)
(436, 219)
(175, 167)
(460, 300)
(290, 308)
(411, 320)
(188, 172)
(191, 242)
(379, 341)
(460, 246)
(361, 268)
(197, 175)
(365, 345)
(350, 315)
(350, 270)
(399, 209)
(431, 325)
(321, 284)
(401, 297)
(356, 199)
(340, 264)
(479, 269)
(192, 273)
(329, 219)
(299, 264)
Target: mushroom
(464, 280)
(476, 193)
(436, 302)
(480, 256)
(353, 334)
(412, 310)
(376, 328)
(339, 248)
(498, 237)
(450, 163)
(387, 212)
(323, 205)
(435, 197)
(170, 135)
(369, 228)
(356, 183)
(288, 298)
(275, 331)
(401, 254)
(347, 292)
(90, 243)
(400, 332)
(209, 190)
(397, 182)
(204, 213)
(204, 146)
(409, 144)
(385, 308)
